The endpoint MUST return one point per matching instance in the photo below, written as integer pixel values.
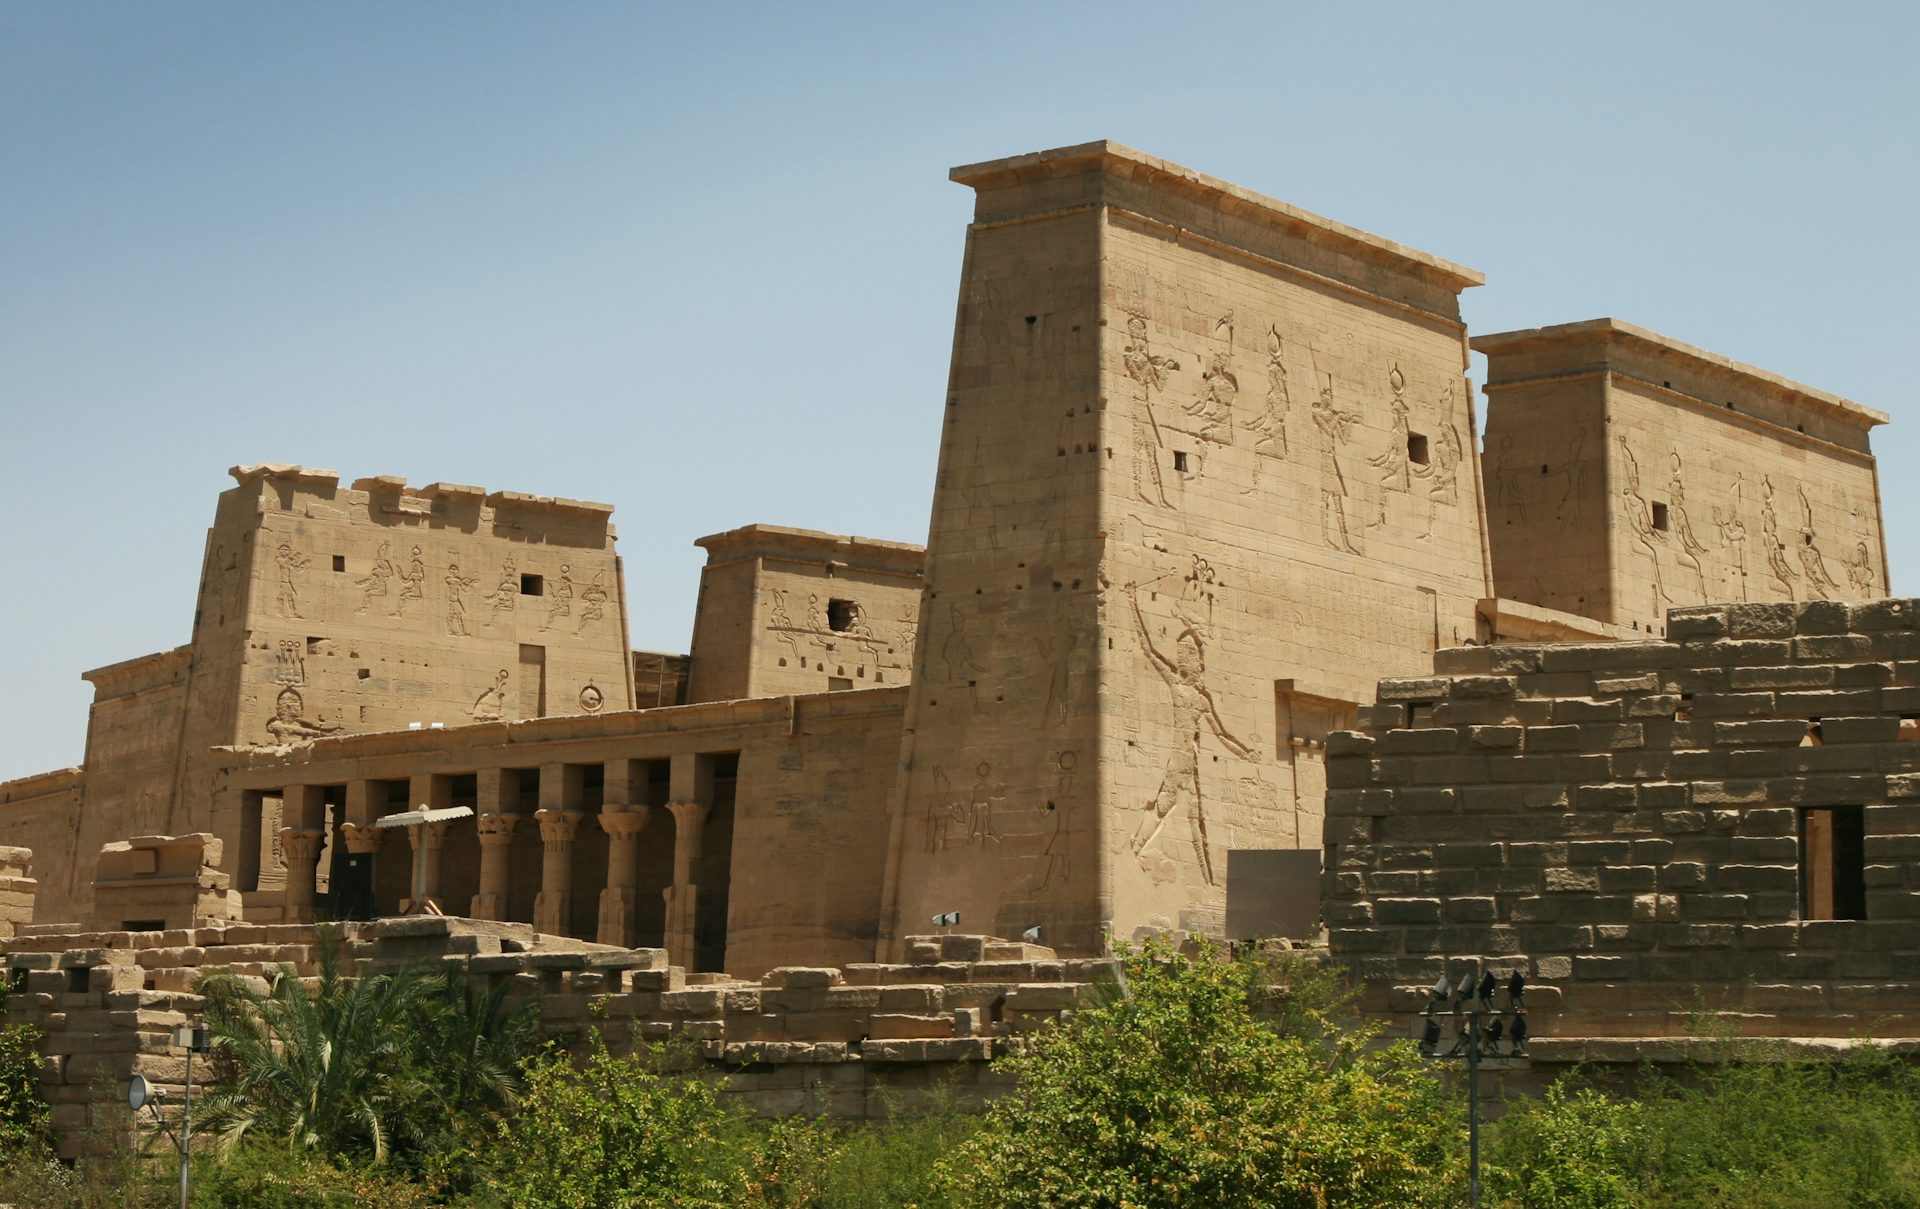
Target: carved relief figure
(1783, 572)
(560, 599)
(1213, 406)
(292, 566)
(1333, 426)
(956, 650)
(489, 705)
(979, 807)
(939, 821)
(593, 602)
(909, 630)
(288, 725)
(1056, 860)
(1818, 580)
(1149, 373)
(458, 586)
(1572, 472)
(1690, 547)
(506, 593)
(782, 623)
(412, 584)
(1733, 532)
(1269, 428)
(1185, 676)
(592, 700)
(1393, 462)
(377, 580)
(1640, 521)
(1445, 471)
(1507, 490)
(1860, 571)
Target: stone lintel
(1517, 621)
(1111, 159)
(1533, 354)
(285, 470)
(867, 554)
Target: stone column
(362, 839)
(429, 789)
(623, 825)
(434, 836)
(561, 792)
(364, 802)
(553, 909)
(301, 847)
(689, 824)
(303, 812)
(496, 844)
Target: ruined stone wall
(791, 611)
(1208, 472)
(43, 813)
(855, 1042)
(1638, 824)
(1629, 473)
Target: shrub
(1174, 1092)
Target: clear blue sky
(700, 261)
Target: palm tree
(330, 1064)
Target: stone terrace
(1728, 818)
(852, 1043)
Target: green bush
(1571, 1149)
(1176, 1092)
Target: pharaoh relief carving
(289, 723)
(956, 822)
(1444, 469)
(956, 651)
(560, 596)
(1148, 372)
(1818, 580)
(413, 583)
(1185, 675)
(1211, 408)
(1269, 427)
(506, 592)
(1333, 427)
(1640, 522)
(1860, 571)
(458, 586)
(492, 703)
(1689, 547)
(1056, 860)
(1393, 462)
(593, 603)
(378, 582)
(292, 567)
(1777, 564)
(1508, 493)
(909, 631)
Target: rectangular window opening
(1179, 460)
(1660, 517)
(1417, 448)
(837, 684)
(841, 614)
(339, 562)
(1833, 852)
(532, 585)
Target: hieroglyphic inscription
(290, 663)
(489, 706)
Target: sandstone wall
(1640, 825)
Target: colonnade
(623, 814)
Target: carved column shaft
(689, 826)
(434, 836)
(553, 910)
(496, 845)
(301, 848)
(623, 825)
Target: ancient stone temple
(1209, 472)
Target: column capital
(689, 811)
(623, 822)
(558, 826)
(361, 838)
(496, 828)
(301, 844)
(433, 835)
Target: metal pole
(1473, 1111)
(186, 1125)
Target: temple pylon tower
(1208, 472)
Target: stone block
(1761, 620)
(1880, 615)
(1783, 878)
(1789, 676)
(1483, 688)
(1761, 732)
(1392, 911)
(1878, 729)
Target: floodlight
(1031, 935)
(946, 919)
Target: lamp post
(1473, 1004)
(195, 1039)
